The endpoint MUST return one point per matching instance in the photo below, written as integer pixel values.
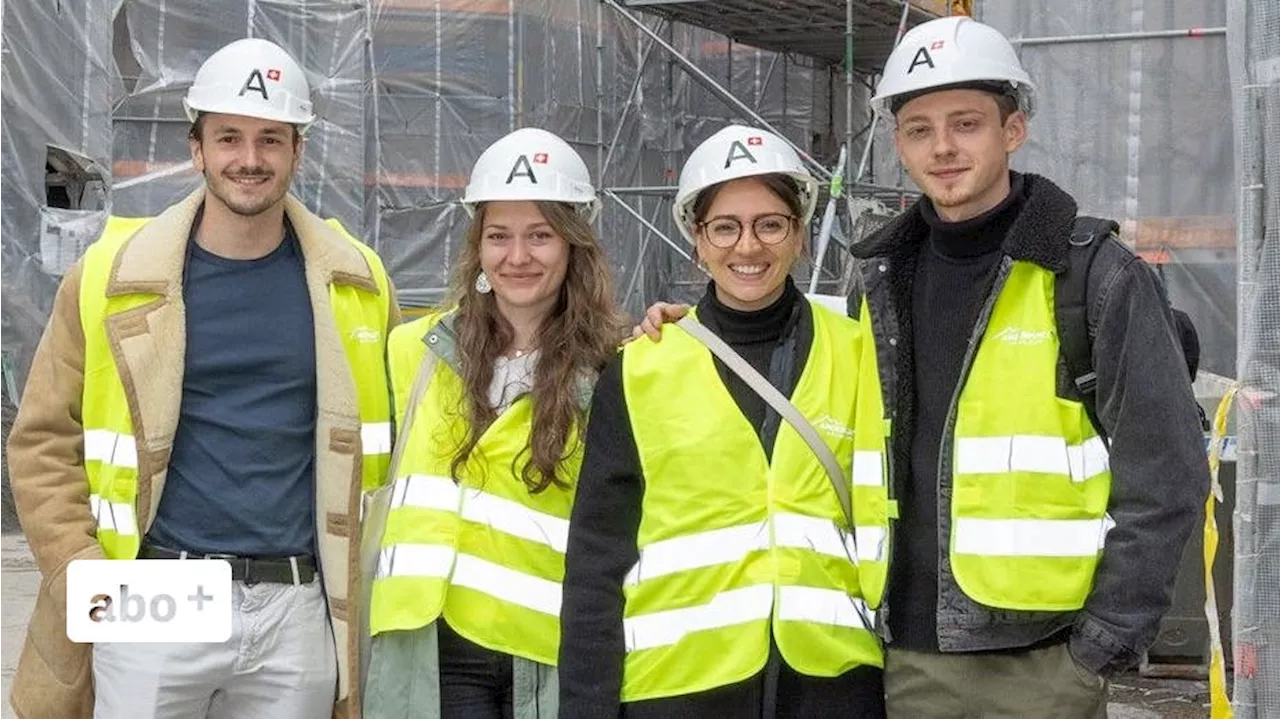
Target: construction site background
(1153, 112)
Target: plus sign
(200, 598)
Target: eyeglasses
(725, 232)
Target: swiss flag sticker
(273, 75)
(755, 140)
(540, 158)
(937, 44)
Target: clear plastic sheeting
(453, 77)
(1139, 130)
(408, 93)
(55, 116)
(1254, 30)
(167, 40)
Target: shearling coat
(54, 679)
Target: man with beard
(211, 383)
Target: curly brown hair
(580, 335)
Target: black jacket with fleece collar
(1157, 454)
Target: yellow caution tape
(1220, 703)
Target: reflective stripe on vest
(735, 607)
(734, 547)
(477, 550)
(115, 517)
(1026, 453)
(110, 449)
(707, 549)
(493, 512)
(1031, 478)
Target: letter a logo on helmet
(522, 168)
(255, 83)
(921, 58)
(738, 151)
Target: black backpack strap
(1071, 305)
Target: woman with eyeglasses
(714, 566)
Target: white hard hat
(254, 78)
(531, 164)
(735, 152)
(952, 51)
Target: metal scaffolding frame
(828, 34)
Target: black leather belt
(250, 570)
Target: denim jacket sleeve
(1159, 467)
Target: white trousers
(280, 663)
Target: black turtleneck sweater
(759, 336)
(606, 513)
(954, 273)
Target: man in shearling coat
(212, 382)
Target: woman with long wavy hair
(490, 398)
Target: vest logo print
(365, 335)
(832, 426)
(1019, 336)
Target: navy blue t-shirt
(242, 475)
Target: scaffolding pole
(1194, 32)
(875, 117)
(710, 83)
(601, 159)
(639, 268)
(626, 107)
(670, 189)
(768, 75)
(649, 225)
(848, 78)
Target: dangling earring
(483, 285)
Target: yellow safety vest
(1030, 475)
(873, 502)
(734, 546)
(484, 552)
(110, 453)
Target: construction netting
(1254, 27)
(408, 92)
(1134, 121)
(1139, 130)
(55, 119)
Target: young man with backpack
(1045, 451)
(1048, 457)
